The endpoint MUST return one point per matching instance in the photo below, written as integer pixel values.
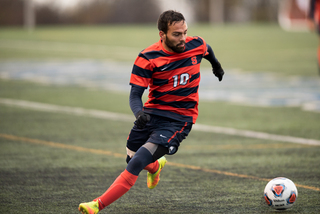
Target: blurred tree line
(132, 11)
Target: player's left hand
(218, 73)
(142, 119)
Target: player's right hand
(142, 119)
(218, 73)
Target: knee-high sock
(152, 167)
(140, 160)
(127, 178)
(119, 187)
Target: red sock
(152, 167)
(119, 187)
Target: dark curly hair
(167, 18)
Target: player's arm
(216, 66)
(140, 78)
(135, 101)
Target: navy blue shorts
(159, 130)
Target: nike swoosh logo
(162, 69)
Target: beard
(173, 47)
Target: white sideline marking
(128, 118)
(66, 109)
(254, 134)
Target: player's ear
(162, 34)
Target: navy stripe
(179, 64)
(195, 43)
(142, 56)
(169, 114)
(194, 77)
(137, 85)
(175, 104)
(154, 54)
(141, 72)
(180, 92)
(160, 82)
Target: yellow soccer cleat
(153, 179)
(89, 207)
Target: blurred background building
(30, 13)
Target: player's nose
(184, 37)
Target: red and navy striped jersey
(173, 79)
(314, 12)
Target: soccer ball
(280, 193)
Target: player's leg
(124, 181)
(147, 154)
(122, 184)
(166, 132)
(127, 178)
(137, 136)
(154, 169)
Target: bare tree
(29, 15)
(216, 14)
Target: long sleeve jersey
(173, 79)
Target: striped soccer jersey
(173, 79)
(315, 12)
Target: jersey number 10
(180, 80)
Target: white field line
(254, 134)
(130, 118)
(66, 109)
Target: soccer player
(171, 70)
(314, 16)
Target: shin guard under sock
(119, 187)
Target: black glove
(218, 73)
(142, 119)
(172, 150)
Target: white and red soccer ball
(280, 193)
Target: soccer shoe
(153, 179)
(89, 207)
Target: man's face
(175, 39)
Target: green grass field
(51, 161)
